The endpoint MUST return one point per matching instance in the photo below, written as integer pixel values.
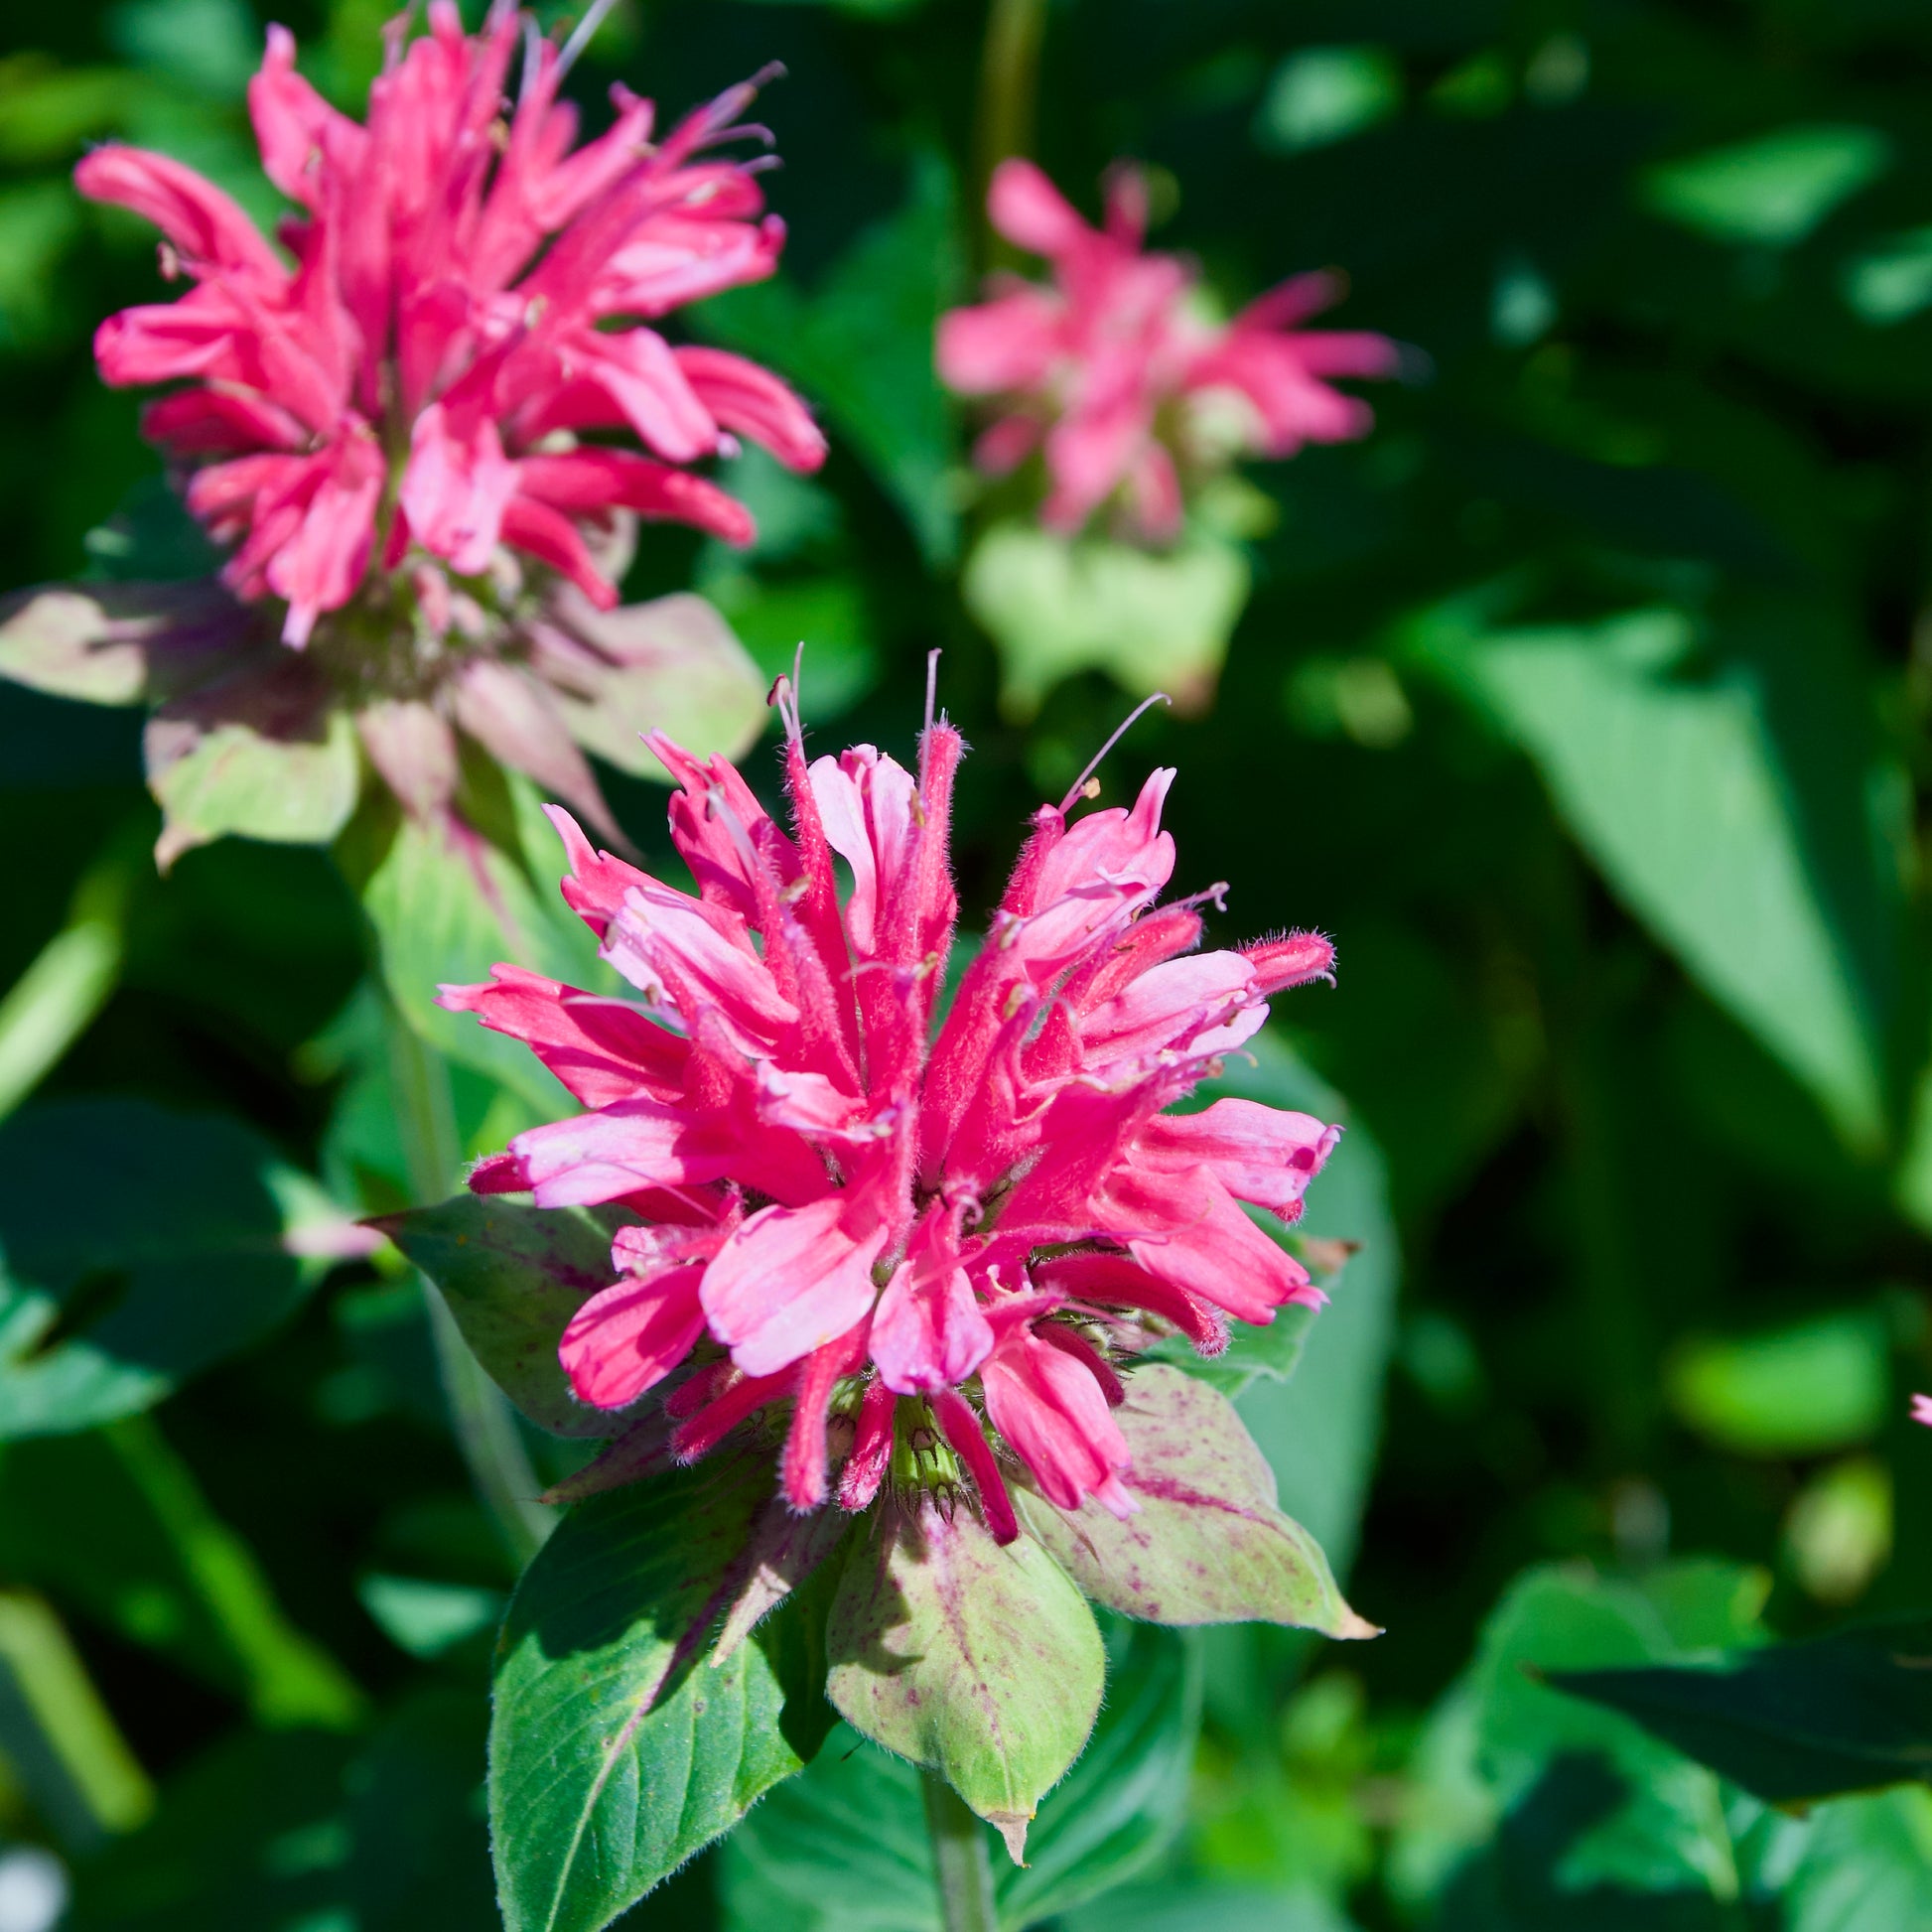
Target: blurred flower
(386, 423)
(1113, 372)
(894, 1231)
(1923, 1409)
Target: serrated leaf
(1208, 1543)
(1849, 1711)
(615, 1750)
(976, 1661)
(140, 1247)
(119, 643)
(1155, 620)
(513, 1276)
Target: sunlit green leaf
(616, 1750)
(1774, 190)
(1678, 782)
(1820, 1385)
(1156, 621)
(978, 1660)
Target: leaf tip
(1353, 1628)
(1011, 1827)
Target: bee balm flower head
(910, 1235)
(424, 420)
(1115, 375)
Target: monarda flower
(849, 1212)
(424, 425)
(1119, 377)
(901, 1275)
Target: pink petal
(628, 1338)
(787, 1282)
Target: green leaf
(1803, 1390)
(140, 1247)
(250, 1834)
(845, 1846)
(1326, 93)
(119, 643)
(1155, 620)
(419, 1855)
(675, 666)
(513, 1276)
(55, 1733)
(426, 1617)
(860, 346)
(1208, 1543)
(447, 905)
(976, 1661)
(1757, 904)
(1773, 191)
(616, 1751)
(262, 752)
(1517, 1786)
(1849, 1711)
(1866, 1867)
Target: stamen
(1078, 787)
(594, 15)
(931, 685)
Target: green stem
(1009, 92)
(960, 1864)
(481, 1416)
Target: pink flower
(1115, 374)
(904, 1233)
(400, 396)
(1923, 1409)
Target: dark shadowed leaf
(139, 1247)
(1845, 1713)
(861, 346)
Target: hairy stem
(1007, 97)
(961, 1867)
(481, 1416)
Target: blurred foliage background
(1585, 703)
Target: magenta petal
(630, 1337)
(787, 1282)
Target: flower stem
(481, 1417)
(1009, 94)
(961, 1867)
